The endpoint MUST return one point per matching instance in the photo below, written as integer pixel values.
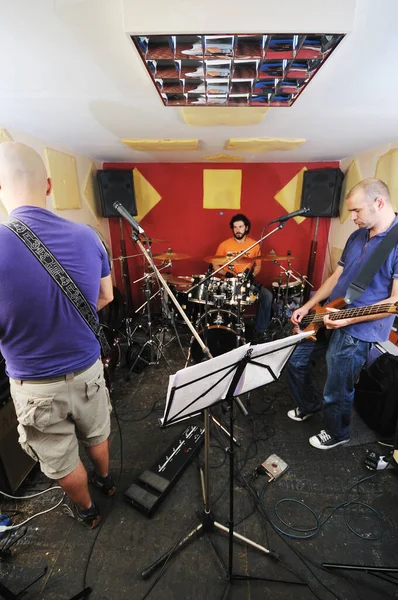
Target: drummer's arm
(257, 268)
(222, 251)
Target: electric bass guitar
(314, 319)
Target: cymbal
(220, 260)
(153, 240)
(171, 256)
(275, 257)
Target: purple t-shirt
(41, 333)
(356, 252)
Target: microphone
(134, 224)
(296, 213)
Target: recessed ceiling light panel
(233, 70)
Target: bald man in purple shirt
(52, 356)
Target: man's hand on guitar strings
(329, 324)
(298, 315)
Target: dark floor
(111, 558)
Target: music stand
(201, 386)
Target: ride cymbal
(220, 260)
(171, 256)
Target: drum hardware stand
(154, 342)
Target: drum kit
(215, 304)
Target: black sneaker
(105, 484)
(90, 517)
(298, 415)
(325, 441)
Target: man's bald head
(371, 189)
(23, 176)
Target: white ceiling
(70, 75)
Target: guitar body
(318, 310)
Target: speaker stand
(311, 260)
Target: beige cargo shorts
(55, 414)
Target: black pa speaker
(321, 192)
(116, 186)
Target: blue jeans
(345, 357)
(264, 309)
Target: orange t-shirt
(234, 247)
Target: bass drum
(220, 335)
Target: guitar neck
(349, 312)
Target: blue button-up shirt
(357, 250)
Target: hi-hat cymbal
(171, 256)
(154, 240)
(220, 260)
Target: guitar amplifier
(15, 464)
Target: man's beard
(239, 236)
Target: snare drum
(293, 289)
(220, 335)
(198, 295)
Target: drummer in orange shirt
(240, 226)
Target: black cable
(151, 410)
(113, 497)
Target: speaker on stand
(321, 192)
(321, 195)
(118, 186)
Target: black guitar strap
(372, 265)
(61, 278)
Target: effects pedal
(372, 460)
(274, 466)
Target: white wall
(365, 166)
(84, 164)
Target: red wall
(181, 219)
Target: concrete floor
(111, 558)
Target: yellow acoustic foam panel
(146, 197)
(222, 188)
(5, 136)
(387, 171)
(90, 194)
(225, 158)
(63, 172)
(351, 178)
(162, 145)
(290, 195)
(263, 144)
(210, 116)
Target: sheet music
(198, 387)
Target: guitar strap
(61, 278)
(372, 265)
